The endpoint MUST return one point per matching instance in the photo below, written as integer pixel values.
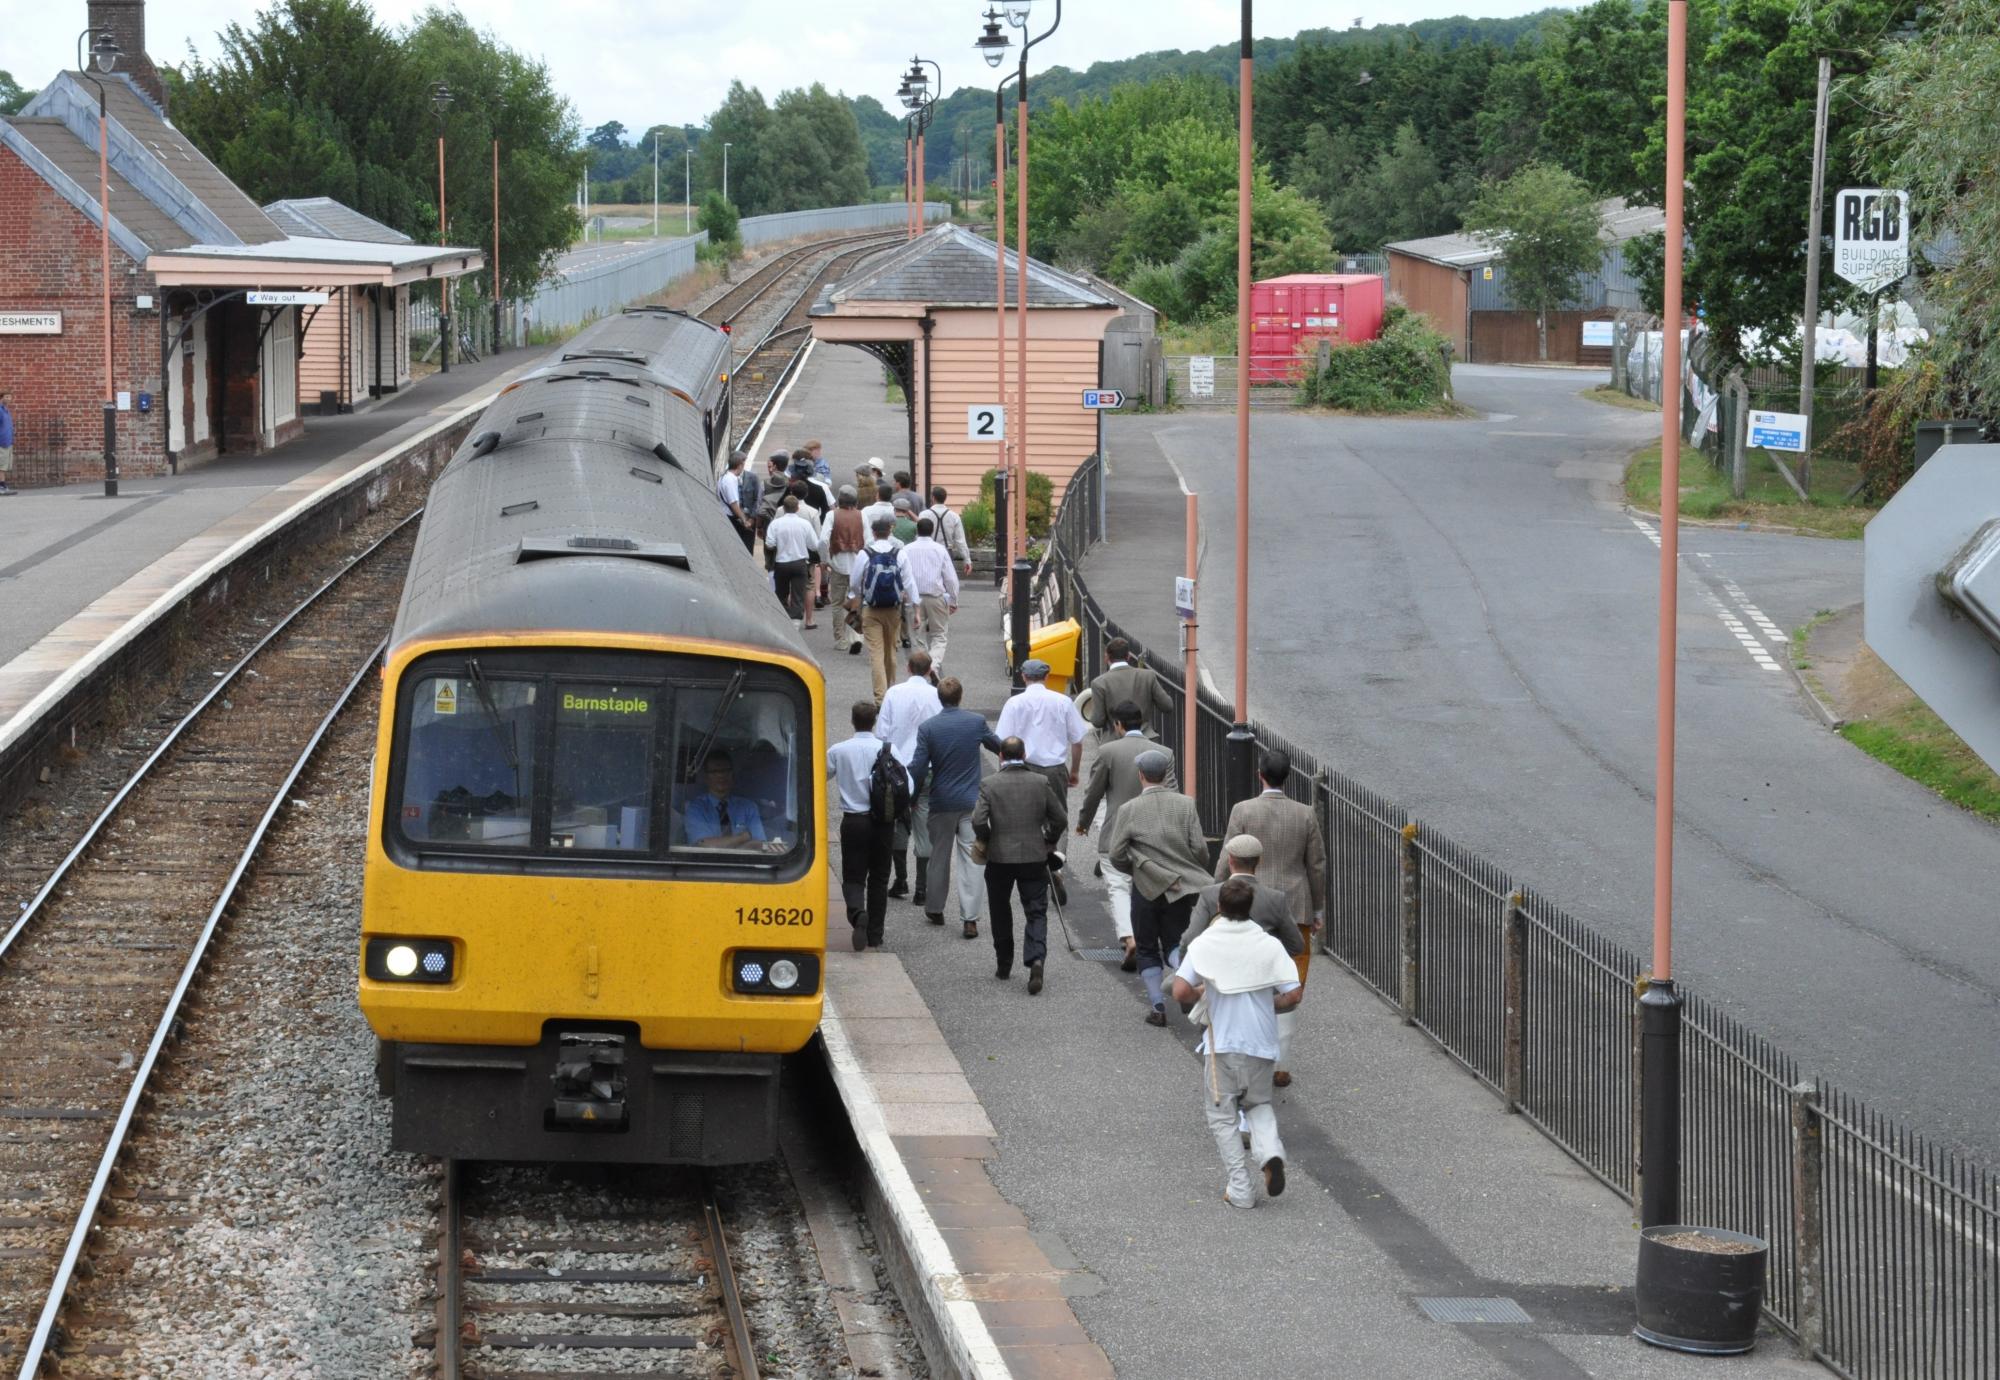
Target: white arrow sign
(1100, 399)
(1871, 236)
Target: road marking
(1735, 627)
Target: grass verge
(1613, 397)
(1916, 743)
(1767, 499)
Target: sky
(642, 61)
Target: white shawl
(1234, 956)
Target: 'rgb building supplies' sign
(1778, 431)
(1871, 236)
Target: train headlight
(768, 973)
(409, 960)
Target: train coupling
(589, 1082)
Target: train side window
(736, 772)
(601, 784)
(469, 773)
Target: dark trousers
(794, 589)
(1058, 776)
(747, 532)
(1033, 881)
(864, 872)
(1157, 926)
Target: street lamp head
(441, 97)
(105, 52)
(918, 78)
(1017, 13)
(993, 43)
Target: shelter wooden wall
(1061, 435)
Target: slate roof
(951, 267)
(129, 207)
(300, 248)
(323, 218)
(177, 153)
(1621, 223)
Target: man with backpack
(877, 589)
(874, 794)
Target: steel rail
(451, 1248)
(164, 1032)
(227, 679)
(725, 1279)
(778, 267)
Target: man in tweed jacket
(1294, 851)
(1157, 841)
(1124, 683)
(1019, 817)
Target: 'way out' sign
(1871, 236)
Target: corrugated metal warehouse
(1459, 282)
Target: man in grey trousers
(948, 753)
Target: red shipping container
(1290, 316)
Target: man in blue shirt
(864, 844)
(948, 745)
(719, 819)
(6, 444)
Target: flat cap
(847, 491)
(1244, 846)
(1154, 765)
(784, 455)
(1034, 668)
(905, 502)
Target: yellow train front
(594, 912)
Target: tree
(741, 121)
(1937, 104)
(719, 218)
(12, 96)
(1546, 223)
(608, 137)
(811, 155)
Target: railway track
(762, 370)
(729, 306)
(639, 1282)
(95, 972)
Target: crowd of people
(883, 563)
(1226, 942)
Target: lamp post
(906, 97)
(104, 53)
(496, 241)
(1017, 15)
(725, 170)
(993, 45)
(926, 96)
(687, 183)
(441, 99)
(1242, 744)
(656, 182)
(1660, 1004)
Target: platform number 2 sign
(986, 422)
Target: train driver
(719, 819)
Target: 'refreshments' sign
(30, 323)
(1871, 236)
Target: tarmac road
(1461, 615)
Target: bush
(717, 217)
(1402, 371)
(1041, 498)
(978, 520)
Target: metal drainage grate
(1101, 955)
(1474, 1311)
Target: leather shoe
(1157, 1016)
(898, 890)
(1004, 971)
(936, 917)
(1130, 963)
(1034, 979)
(972, 929)
(1281, 1079)
(860, 940)
(854, 649)
(1274, 1176)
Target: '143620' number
(774, 915)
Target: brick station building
(211, 296)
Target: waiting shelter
(926, 310)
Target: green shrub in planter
(978, 520)
(1041, 498)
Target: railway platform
(1045, 1162)
(75, 565)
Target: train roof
(668, 347)
(582, 503)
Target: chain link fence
(1885, 1250)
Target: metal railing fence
(1884, 1250)
(829, 220)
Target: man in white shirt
(950, 528)
(879, 602)
(729, 490)
(905, 707)
(1243, 978)
(1051, 728)
(883, 506)
(934, 581)
(864, 844)
(794, 541)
